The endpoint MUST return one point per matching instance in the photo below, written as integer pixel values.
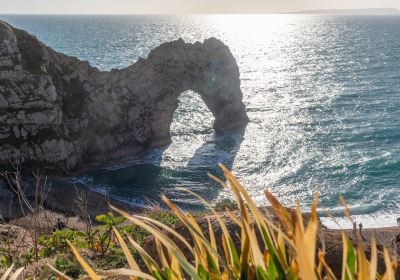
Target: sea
(322, 94)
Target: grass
(99, 247)
(287, 250)
(9, 274)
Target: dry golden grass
(290, 247)
(9, 274)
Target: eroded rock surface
(61, 113)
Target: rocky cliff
(61, 113)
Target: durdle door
(60, 113)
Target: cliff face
(60, 113)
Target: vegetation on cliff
(283, 247)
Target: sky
(182, 6)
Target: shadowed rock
(61, 113)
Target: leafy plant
(139, 234)
(51, 244)
(268, 250)
(115, 259)
(226, 204)
(68, 265)
(102, 236)
(163, 216)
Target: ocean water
(322, 94)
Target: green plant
(139, 234)
(68, 265)
(102, 236)
(51, 244)
(226, 204)
(268, 250)
(4, 261)
(163, 216)
(13, 247)
(114, 259)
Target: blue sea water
(322, 94)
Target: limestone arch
(209, 70)
(83, 115)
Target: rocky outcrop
(61, 113)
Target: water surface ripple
(322, 94)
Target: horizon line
(301, 12)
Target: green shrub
(165, 217)
(68, 265)
(114, 259)
(54, 243)
(225, 204)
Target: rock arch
(61, 112)
(209, 69)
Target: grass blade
(60, 275)
(16, 274)
(7, 273)
(129, 258)
(83, 263)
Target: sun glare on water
(321, 94)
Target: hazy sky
(182, 6)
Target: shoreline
(60, 200)
(335, 223)
(370, 221)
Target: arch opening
(191, 117)
(191, 126)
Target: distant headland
(371, 11)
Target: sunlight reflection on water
(322, 94)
